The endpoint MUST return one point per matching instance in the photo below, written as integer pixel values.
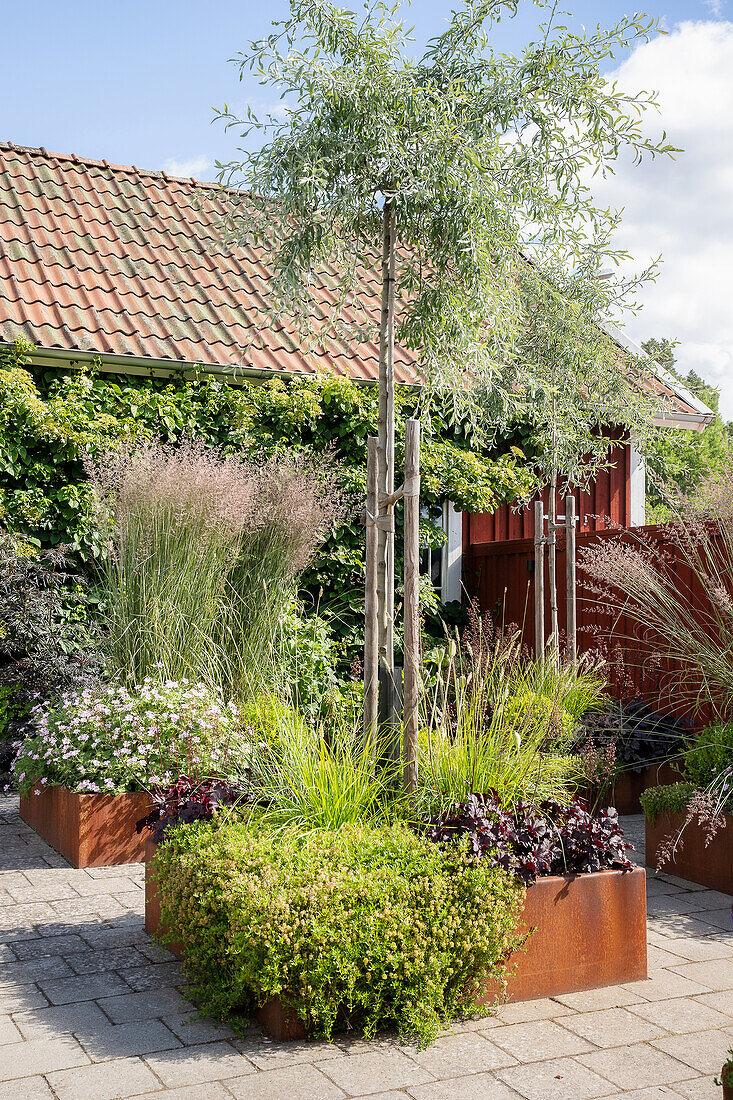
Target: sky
(136, 84)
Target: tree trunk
(371, 626)
(412, 604)
(385, 467)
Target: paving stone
(376, 1071)
(704, 1051)
(8, 1031)
(85, 987)
(593, 1000)
(103, 907)
(30, 1088)
(718, 918)
(52, 945)
(118, 958)
(479, 1086)
(684, 883)
(103, 1081)
(457, 1055)
(15, 998)
(656, 887)
(716, 974)
(682, 1014)
(123, 1040)
(654, 1092)
(674, 904)
(663, 985)
(192, 1029)
(144, 1006)
(82, 1018)
(39, 1056)
(557, 1079)
(702, 1088)
(700, 950)
(523, 1011)
(713, 899)
(86, 886)
(658, 958)
(637, 1066)
(208, 1062)
(60, 891)
(722, 1001)
(152, 975)
(612, 1027)
(209, 1091)
(538, 1040)
(33, 970)
(303, 1082)
(268, 1055)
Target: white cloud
(683, 209)
(195, 166)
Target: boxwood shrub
(666, 800)
(375, 927)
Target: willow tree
(458, 180)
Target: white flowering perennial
(115, 739)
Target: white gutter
(702, 416)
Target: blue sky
(135, 83)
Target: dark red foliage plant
(187, 801)
(533, 841)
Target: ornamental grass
(203, 553)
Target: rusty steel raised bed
(589, 931)
(709, 865)
(90, 830)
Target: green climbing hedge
(48, 419)
(374, 923)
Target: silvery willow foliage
(484, 161)
(114, 739)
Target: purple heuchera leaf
(533, 841)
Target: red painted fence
(499, 575)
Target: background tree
(459, 179)
(678, 459)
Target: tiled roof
(109, 259)
(99, 257)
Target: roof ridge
(74, 158)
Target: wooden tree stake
(412, 604)
(371, 626)
(539, 579)
(570, 579)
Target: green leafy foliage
(679, 460)
(708, 754)
(376, 926)
(667, 800)
(48, 421)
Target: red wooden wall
(607, 499)
(497, 575)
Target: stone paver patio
(90, 1009)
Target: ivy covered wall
(49, 419)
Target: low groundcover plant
(359, 925)
(115, 739)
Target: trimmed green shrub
(666, 800)
(708, 754)
(376, 926)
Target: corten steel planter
(590, 931)
(710, 866)
(629, 785)
(90, 830)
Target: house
(109, 262)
